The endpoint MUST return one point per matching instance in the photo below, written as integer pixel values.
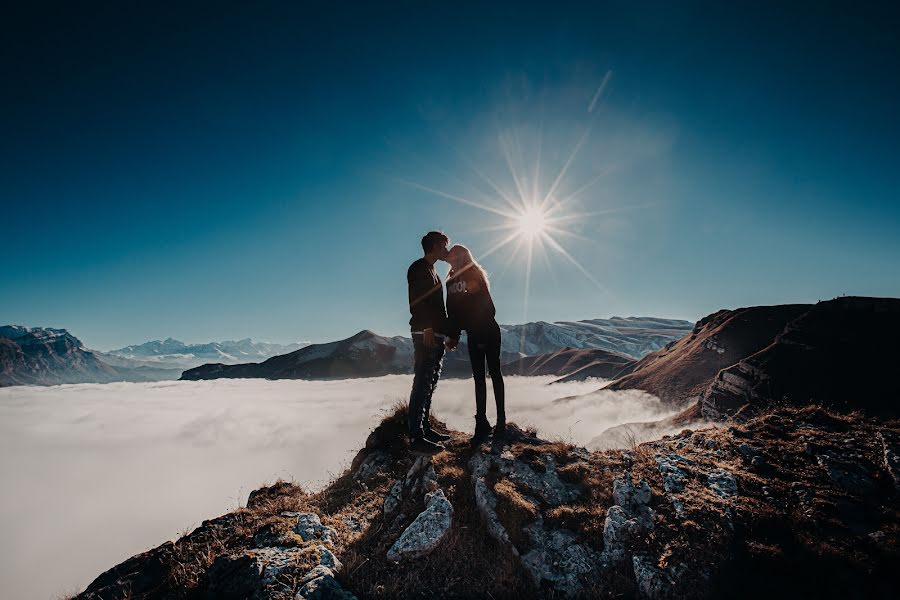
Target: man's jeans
(427, 373)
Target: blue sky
(258, 170)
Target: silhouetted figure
(429, 327)
(471, 308)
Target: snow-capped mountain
(174, 351)
(365, 354)
(631, 336)
(45, 356)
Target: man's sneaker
(500, 430)
(482, 431)
(433, 436)
(423, 447)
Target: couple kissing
(436, 328)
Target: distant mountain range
(611, 345)
(46, 356)
(630, 336)
(367, 354)
(227, 352)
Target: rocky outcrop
(419, 480)
(716, 512)
(552, 556)
(890, 444)
(427, 530)
(310, 528)
(257, 574)
(628, 519)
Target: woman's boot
(482, 430)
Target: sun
(531, 222)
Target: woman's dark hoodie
(469, 306)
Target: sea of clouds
(93, 474)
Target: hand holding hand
(451, 343)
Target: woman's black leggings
(481, 351)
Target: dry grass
(771, 527)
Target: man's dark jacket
(426, 298)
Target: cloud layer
(96, 473)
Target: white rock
(425, 532)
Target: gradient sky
(217, 173)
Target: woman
(470, 307)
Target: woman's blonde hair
(469, 262)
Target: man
(429, 326)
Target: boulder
(320, 584)
(247, 574)
(722, 483)
(891, 451)
(627, 521)
(309, 528)
(426, 531)
(557, 558)
(420, 479)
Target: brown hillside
(680, 373)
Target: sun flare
(532, 222)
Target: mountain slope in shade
(680, 372)
(631, 336)
(841, 353)
(365, 354)
(45, 356)
(589, 362)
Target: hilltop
(799, 501)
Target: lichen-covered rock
(420, 479)
(626, 494)
(328, 559)
(557, 558)
(320, 584)
(375, 462)
(554, 557)
(310, 528)
(848, 474)
(653, 583)
(393, 498)
(546, 485)
(426, 531)
(628, 520)
(250, 573)
(891, 450)
(487, 505)
(140, 574)
(619, 530)
(722, 483)
(673, 468)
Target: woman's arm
(454, 326)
